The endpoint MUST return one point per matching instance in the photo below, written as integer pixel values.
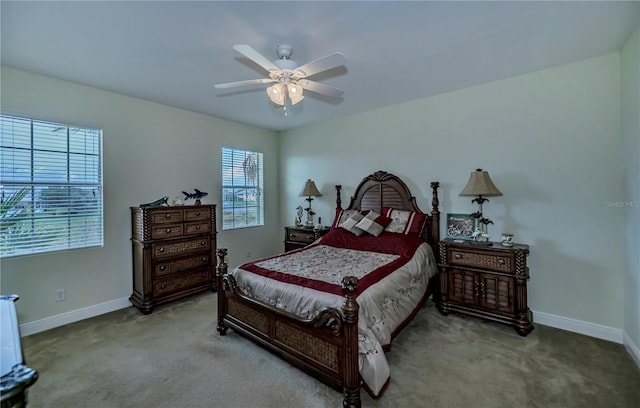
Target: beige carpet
(175, 358)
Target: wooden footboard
(325, 347)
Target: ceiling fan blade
(322, 64)
(247, 82)
(323, 89)
(255, 56)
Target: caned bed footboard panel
(314, 348)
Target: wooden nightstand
(298, 237)
(489, 282)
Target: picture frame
(460, 226)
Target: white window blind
(50, 186)
(242, 189)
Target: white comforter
(384, 305)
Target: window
(242, 184)
(50, 186)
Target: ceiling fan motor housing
(284, 51)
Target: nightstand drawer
(301, 236)
(494, 262)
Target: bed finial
(338, 199)
(435, 203)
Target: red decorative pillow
(373, 223)
(404, 222)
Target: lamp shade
(480, 184)
(309, 190)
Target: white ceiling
(174, 52)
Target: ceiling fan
(290, 79)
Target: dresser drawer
(181, 247)
(197, 214)
(166, 216)
(197, 228)
(490, 261)
(166, 231)
(174, 265)
(181, 281)
(301, 236)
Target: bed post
(338, 200)
(351, 387)
(435, 217)
(221, 270)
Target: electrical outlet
(61, 294)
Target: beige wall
(630, 64)
(150, 150)
(551, 143)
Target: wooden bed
(327, 345)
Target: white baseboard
(38, 326)
(632, 349)
(579, 326)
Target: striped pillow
(404, 222)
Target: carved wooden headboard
(382, 189)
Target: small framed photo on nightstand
(460, 226)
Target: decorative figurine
(298, 216)
(159, 202)
(197, 195)
(481, 237)
(177, 201)
(507, 239)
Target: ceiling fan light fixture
(295, 93)
(276, 93)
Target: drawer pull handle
(168, 215)
(458, 256)
(501, 261)
(197, 227)
(204, 275)
(203, 243)
(161, 249)
(168, 230)
(163, 286)
(204, 259)
(163, 267)
(197, 213)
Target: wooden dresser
(299, 237)
(489, 282)
(173, 253)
